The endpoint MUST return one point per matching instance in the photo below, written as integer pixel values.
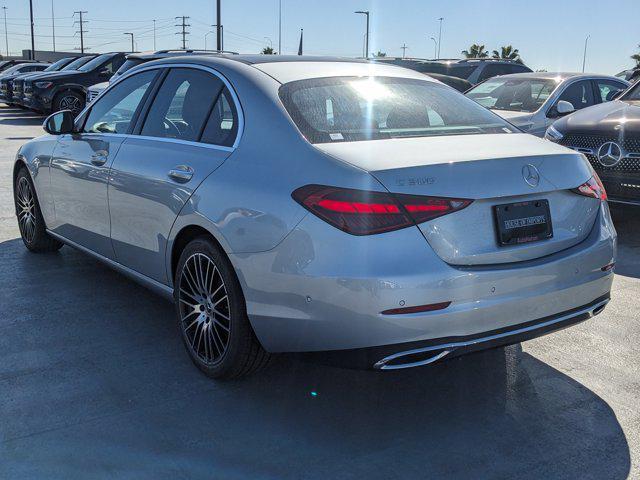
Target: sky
(550, 34)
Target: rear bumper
(322, 290)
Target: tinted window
(127, 65)
(77, 63)
(113, 112)
(352, 109)
(96, 62)
(579, 94)
(57, 65)
(607, 89)
(453, 70)
(493, 70)
(222, 126)
(513, 94)
(182, 105)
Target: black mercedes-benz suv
(608, 134)
(66, 90)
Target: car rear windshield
(352, 109)
(57, 65)
(513, 94)
(128, 64)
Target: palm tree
(508, 53)
(636, 57)
(268, 51)
(380, 54)
(475, 51)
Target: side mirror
(104, 72)
(564, 108)
(59, 123)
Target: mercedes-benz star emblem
(531, 175)
(609, 154)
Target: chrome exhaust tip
(411, 358)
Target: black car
(6, 64)
(473, 70)
(66, 90)
(6, 91)
(18, 82)
(608, 134)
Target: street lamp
(366, 48)
(435, 47)
(129, 33)
(440, 36)
(584, 57)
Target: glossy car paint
(536, 123)
(309, 286)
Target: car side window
(113, 112)
(607, 89)
(579, 94)
(183, 104)
(112, 65)
(222, 126)
(493, 70)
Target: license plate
(523, 222)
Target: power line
(82, 30)
(184, 32)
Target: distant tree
(380, 54)
(476, 51)
(507, 53)
(268, 51)
(636, 57)
(542, 70)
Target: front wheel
(69, 101)
(30, 221)
(212, 315)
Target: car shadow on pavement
(19, 117)
(95, 383)
(627, 223)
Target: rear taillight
(592, 188)
(362, 212)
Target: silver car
(533, 101)
(300, 204)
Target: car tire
(212, 316)
(69, 100)
(30, 221)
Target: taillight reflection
(363, 212)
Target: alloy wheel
(69, 102)
(26, 206)
(204, 308)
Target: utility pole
(279, 27)
(129, 33)
(366, 48)
(53, 26)
(440, 36)
(154, 35)
(82, 30)
(184, 32)
(404, 49)
(33, 43)
(6, 36)
(584, 57)
(218, 27)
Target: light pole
(6, 36)
(435, 47)
(53, 26)
(129, 33)
(584, 57)
(279, 27)
(154, 35)
(206, 35)
(440, 36)
(366, 48)
(218, 26)
(33, 42)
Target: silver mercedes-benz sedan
(300, 204)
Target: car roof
(561, 76)
(288, 68)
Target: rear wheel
(212, 315)
(30, 220)
(69, 101)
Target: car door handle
(181, 173)
(99, 158)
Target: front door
(188, 132)
(81, 163)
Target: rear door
(81, 162)
(189, 130)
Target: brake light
(363, 212)
(592, 188)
